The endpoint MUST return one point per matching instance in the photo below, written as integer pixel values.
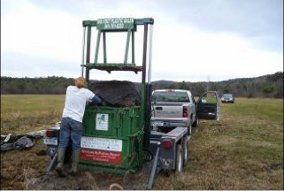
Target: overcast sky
(193, 40)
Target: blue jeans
(70, 128)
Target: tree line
(267, 86)
(264, 86)
(49, 85)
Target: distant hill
(264, 86)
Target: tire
(179, 158)
(149, 156)
(195, 123)
(189, 129)
(185, 151)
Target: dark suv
(227, 98)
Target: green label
(115, 24)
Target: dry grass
(244, 150)
(23, 113)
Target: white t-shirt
(75, 102)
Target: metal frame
(131, 28)
(124, 65)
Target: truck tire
(195, 123)
(179, 158)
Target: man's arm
(97, 100)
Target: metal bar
(150, 54)
(52, 162)
(144, 58)
(133, 47)
(88, 52)
(154, 168)
(89, 23)
(97, 47)
(87, 75)
(147, 130)
(104, 47)
(143, 21)
(83, 51)
(88, 44)
(144, 92)
(127, 46)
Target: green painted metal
(104, 26)
(125, 126)
(136, 22)
(104, 47)
(123, 123)
(127, 46)
(115, 24)
(98, 47)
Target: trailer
(121, 139)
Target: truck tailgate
(168, 110)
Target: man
(71, 124)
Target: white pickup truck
(173, 108)
(177, 108)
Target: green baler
(114, 137)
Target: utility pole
(208, 83)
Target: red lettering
(101, 156)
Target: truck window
(170, 97)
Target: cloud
(191, 41)
(36, 31)
(260, 21)
(17, 64)
(216, 55)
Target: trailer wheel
(148, 156)
(185, 151)
(179, 158)
(189, 129)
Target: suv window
(170, 96)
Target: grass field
(22, 113)
(244, 150)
